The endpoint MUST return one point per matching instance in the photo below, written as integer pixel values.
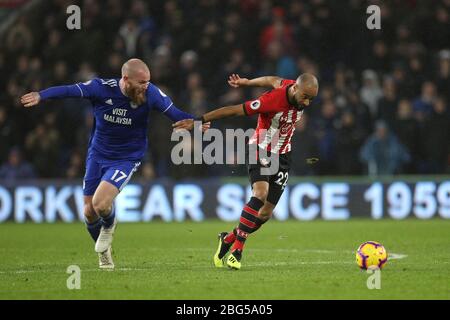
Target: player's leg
(115, 178)
(90, 183)
(265, 213)
(256, 213)
(102, 203)
(277, 184)
(248, 223)
(239, 238)
(249, 219)
(238, 235)
(92, 220)
(276, 189)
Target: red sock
(230, 237)
(237, 245)
(248, 223)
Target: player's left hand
(186, 124)
(236, 81)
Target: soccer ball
(371, 254)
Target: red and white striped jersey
(276, 121)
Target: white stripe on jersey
(80, 90)
(287, 148)
(272, 130)
(283, 136)
(168, 108)
(112, 83)
(282, 125)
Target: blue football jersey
(120, 126)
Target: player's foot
(105, 259)
(105, 238)
(234, 260)
(222, 249)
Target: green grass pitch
(283, 260)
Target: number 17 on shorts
(116, 173)
(119, 175)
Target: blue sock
(108, 221)
(94, 228)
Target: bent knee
(101, 208)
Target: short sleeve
(267, 103)
(286, 82)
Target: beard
(136, 95)
(300, 107)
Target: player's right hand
(30, 99)
(235, 81)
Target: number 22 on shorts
(282, 176)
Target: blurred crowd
(382, 109)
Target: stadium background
(382, 110)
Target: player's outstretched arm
(224, 112)
(33, 98)
(268, 81)
(164, 104)
(175, 114)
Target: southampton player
(279, 109)
(118, 141)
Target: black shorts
(277, 181)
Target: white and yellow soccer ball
(371, 254)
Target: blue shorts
(116, 172)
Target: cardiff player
(279, 109)
(118, 141)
